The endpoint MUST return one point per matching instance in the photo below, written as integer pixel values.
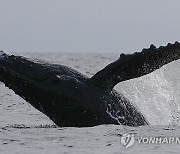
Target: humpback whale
(71, 99)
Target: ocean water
(23, 129)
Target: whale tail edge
(129, 66)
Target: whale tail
(135, 65)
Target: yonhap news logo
(129, 139)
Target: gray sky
(87, 25)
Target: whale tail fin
(136, 65)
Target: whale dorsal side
(130, 66)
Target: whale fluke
(131, 66)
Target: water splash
(155, 95)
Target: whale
(71, 99)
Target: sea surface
(25, 130)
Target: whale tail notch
(135, 65)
